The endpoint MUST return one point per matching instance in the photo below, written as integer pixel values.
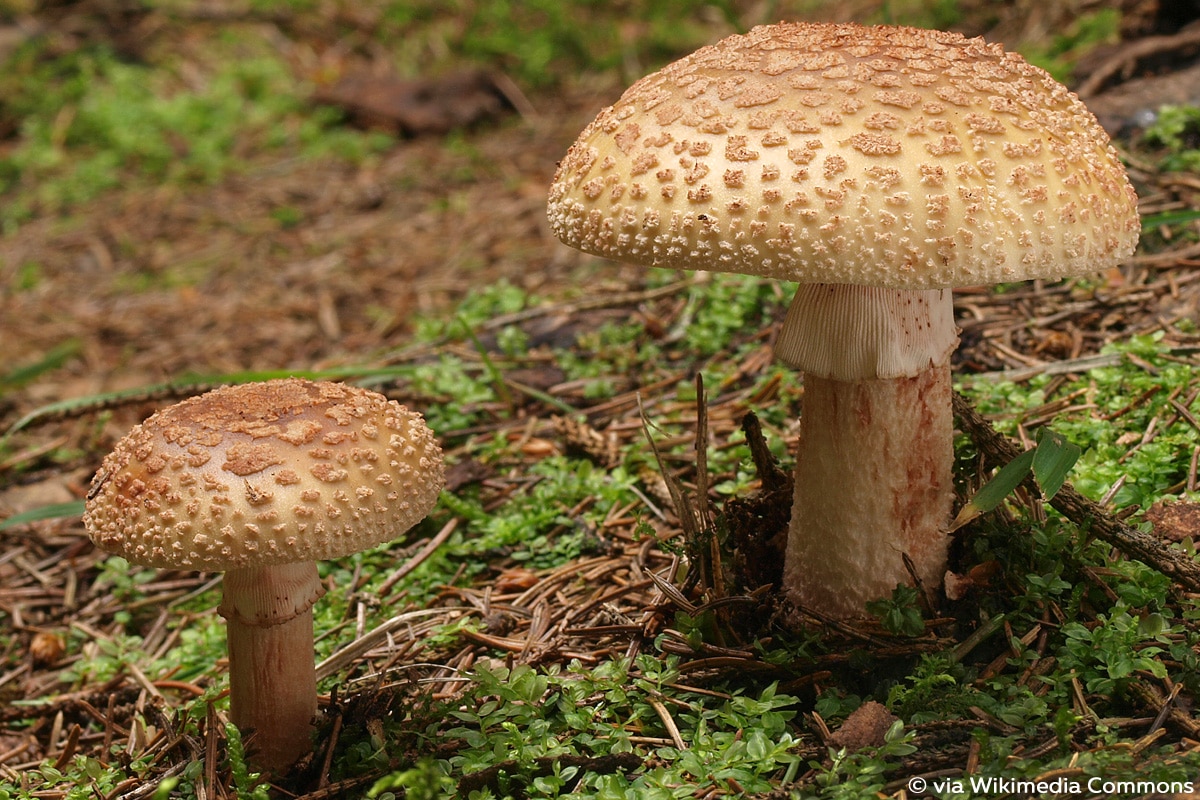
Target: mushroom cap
(838, 153)
(261, 474)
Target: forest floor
(321, 264)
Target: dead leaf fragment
(978, 577)
(1175, 522)
(866, 727)
(515, 579)
(428, 105)
(580, 438)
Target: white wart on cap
(263, 474)
(895, 157)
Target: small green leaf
(1152, 625)
(899, 613)
(1002, 484)
(1053, 459)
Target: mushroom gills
(848, 332)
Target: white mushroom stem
(874, 463)
(272, 675)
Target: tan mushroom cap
(837, 153)
(263, 474)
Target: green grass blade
(498, 385)
(1050, 462)
(1152, 221)
(74, 508)
(1053, 459)
(1002, 484)
(60, 354)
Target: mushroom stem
(272, 674)
(873, 485)
(875, 459)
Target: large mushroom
(260, 481)
(879, 167)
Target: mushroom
(878, 167)
(260, 481)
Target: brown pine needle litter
(618, 603)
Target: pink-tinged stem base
(272, 675)
(873, 484)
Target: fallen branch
(1127, 58)
(1088, 515)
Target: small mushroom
(260, 481)
(879, 167)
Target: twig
(1167, 705)
(327, 762)
(343, 788)
(1019, 374)
(602, 300)
(668, 722)
(1131, 54)
(380, 633)
(981, 634)
(765, 466)
(414, 562)
(1168, 710)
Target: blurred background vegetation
(101, 93)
